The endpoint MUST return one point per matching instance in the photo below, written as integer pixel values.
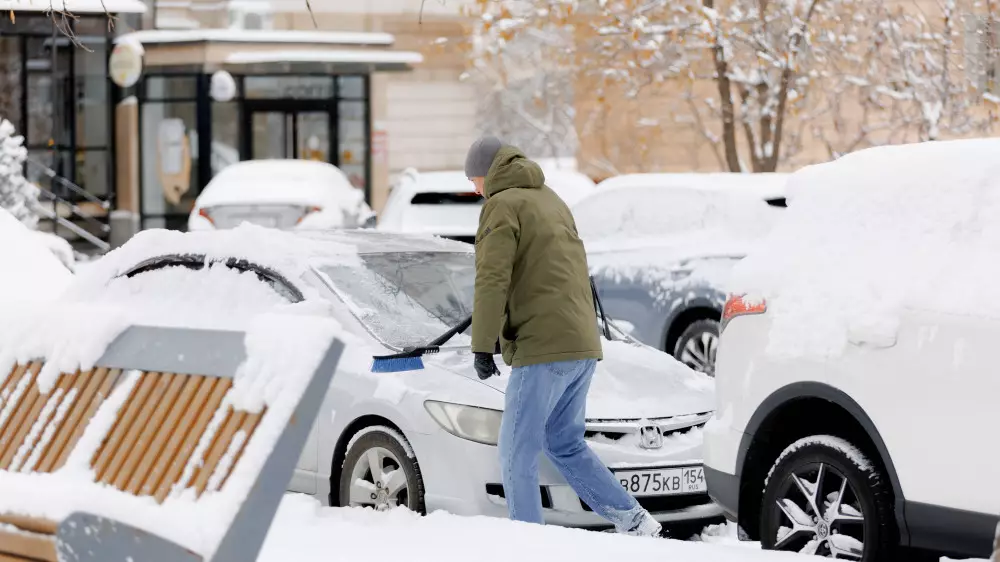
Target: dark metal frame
(247, 106)
(64, 116)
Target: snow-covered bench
(177, 445)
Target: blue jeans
(544, 411)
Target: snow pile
(877, 231)
(18, 196)
(306, 532)
(657, 212)
(31, 273)
(283, 352)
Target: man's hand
(485, 366)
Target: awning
(258, 36)
(319, 60)
(76, 7)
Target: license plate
(259, 220)
(663, 481)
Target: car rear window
(432, 198)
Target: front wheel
(698, 345)
(824, 497)
(379, 472)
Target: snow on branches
(18, 196)
(759, 82)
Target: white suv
(857, 378)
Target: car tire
(854, 502)
(396, 480)
(697, 346)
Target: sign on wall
(175, 159)
(125, 65)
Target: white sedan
(424, 439)
(286, 194)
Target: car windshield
(407, 299)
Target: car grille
(614, 430)
(656, 504)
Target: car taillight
(740, 305)
(308, 211)
(203, 212)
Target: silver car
(660, 248)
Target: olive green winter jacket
(532, 283)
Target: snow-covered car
(662, 252)
(285, 194)
(856, 375)
(423, 439)
(446, 204)
(33, 272)
(770, 186)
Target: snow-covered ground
(305, 532)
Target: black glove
(485, 366)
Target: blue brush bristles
(397, 364)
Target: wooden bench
(174, 435)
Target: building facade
(360, 85)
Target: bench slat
(248, 427)
(17, 406)
(25, 546)
(25, 415)
(113, 452)
(108, 380)
(154, 436)
(159, 402)
(165, 444)
(192, 426)
(65, 429)
(39, 425)
(220, 444)
(61, 429)
(32, 524)
(10, 382)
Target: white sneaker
(647, 527)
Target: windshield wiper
(599, 309)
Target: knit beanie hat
(481, 155)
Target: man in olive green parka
(533, 294)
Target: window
(982, 58)
(250, 14)
(169, 157)
(11, 83)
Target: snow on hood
(32, 273)
(634, 381)
(879, 230)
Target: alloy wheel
(699, 352)
(820, 514)
(378, 480)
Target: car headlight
(481, 425)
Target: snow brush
(409, 360)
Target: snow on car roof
(654, 211)
(302, 182)
(876, 232)
(765, 185)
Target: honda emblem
(650, 437)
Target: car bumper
(722, 445)
(473, 487)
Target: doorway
(283, 130)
